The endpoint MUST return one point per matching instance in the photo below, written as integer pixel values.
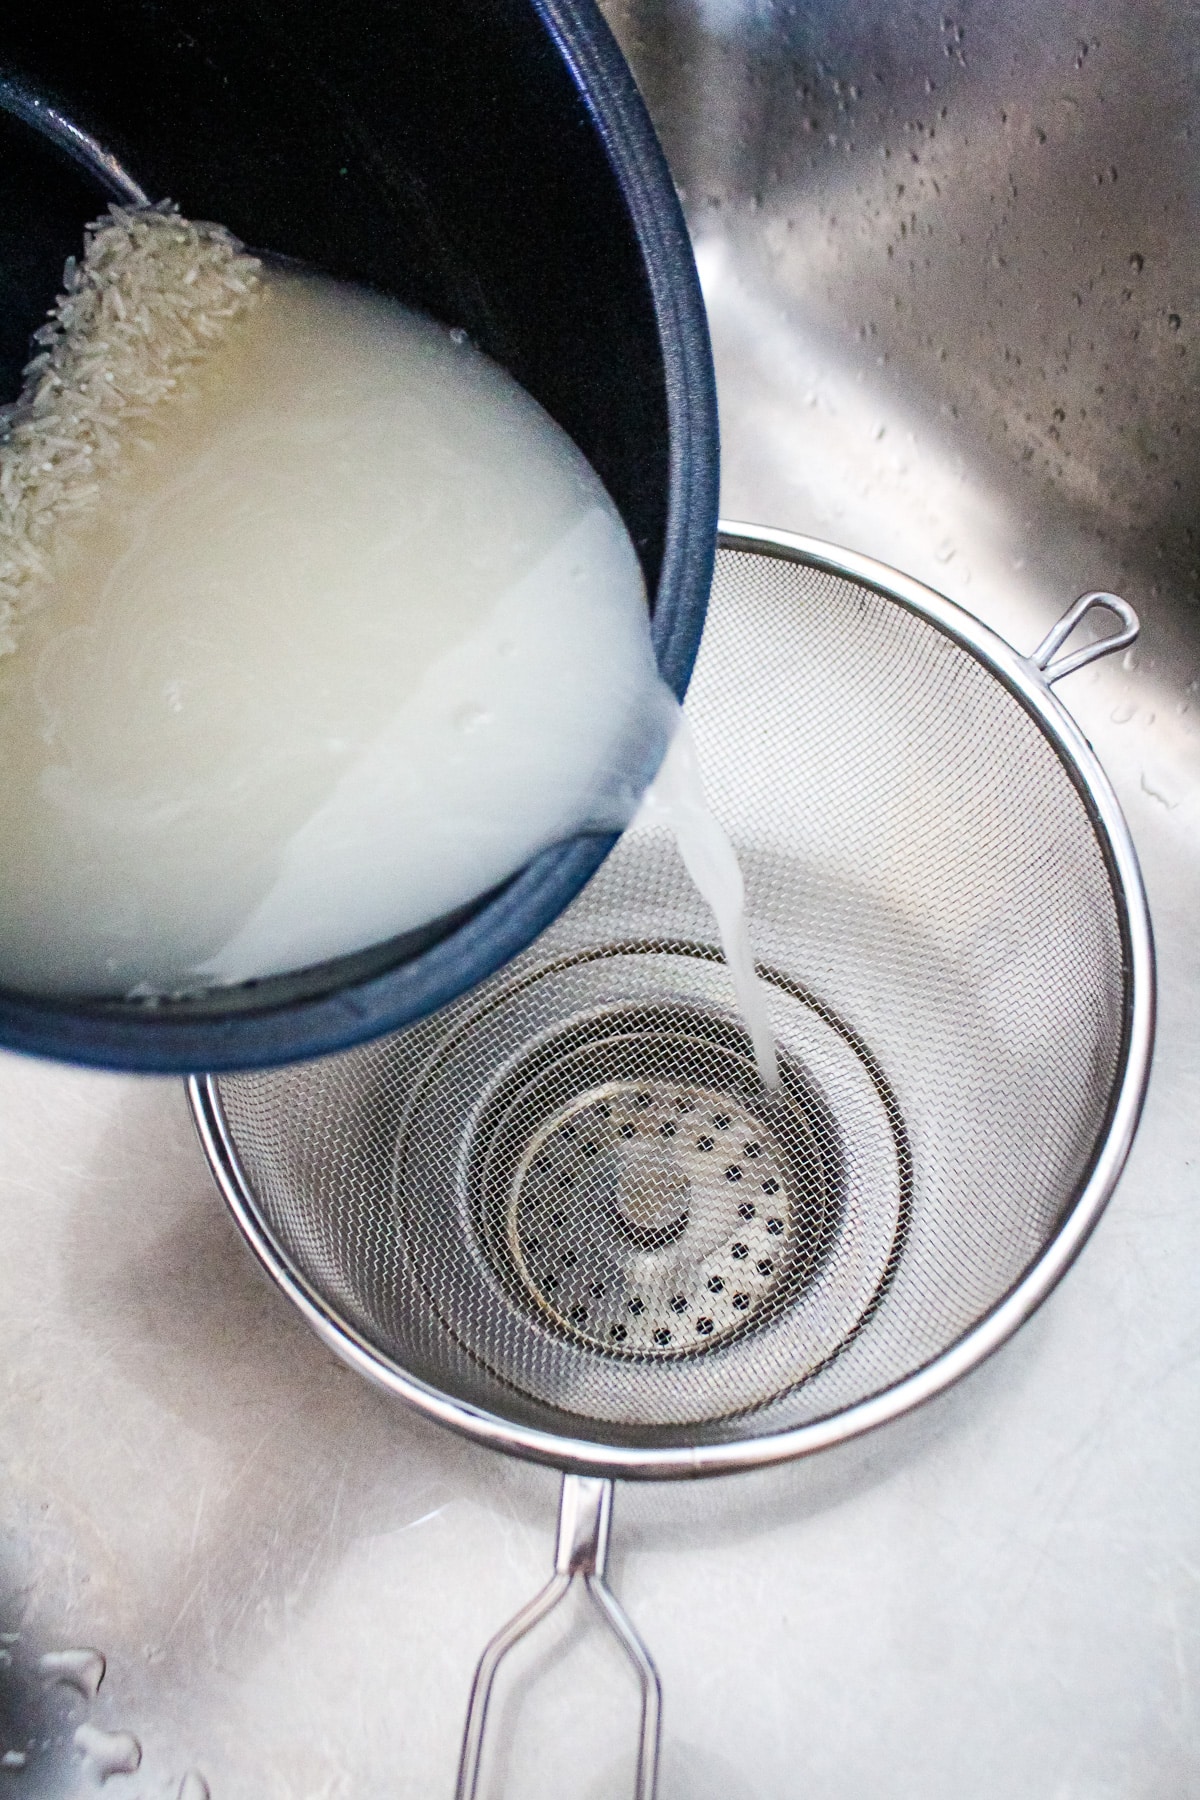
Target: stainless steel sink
(952, 261)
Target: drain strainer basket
(564, 1215)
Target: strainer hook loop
(584, 1522)
(1053, 667)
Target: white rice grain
(153, 294)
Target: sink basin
(950, 260)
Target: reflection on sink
(952, 259)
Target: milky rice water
(313, 627)
(313, 624)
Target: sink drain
(597, 1200)
(665, 1211)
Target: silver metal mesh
(568, 1201)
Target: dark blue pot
(489, 161)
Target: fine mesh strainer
(563, 1214)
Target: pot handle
(1052, 668)
(584, 1520)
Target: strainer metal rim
(1030, 685)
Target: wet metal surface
(951, 261)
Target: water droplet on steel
(81, 1669)
(108, 1753)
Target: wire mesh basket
(565, 1216)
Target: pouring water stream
(676, 800)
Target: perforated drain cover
(664, 1210)
(652, 1218)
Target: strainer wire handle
(584, 1521)
(1054, 667)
